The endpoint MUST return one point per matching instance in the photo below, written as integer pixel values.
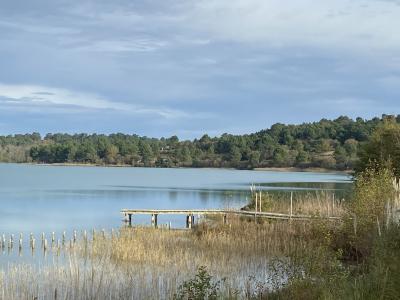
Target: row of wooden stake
(58, 243)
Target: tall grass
(146, 263)
(357, 258)
(316, 203)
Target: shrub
(202, 286)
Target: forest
(330, 144)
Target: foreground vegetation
(146, 263)
(327, 144)
(356, 257)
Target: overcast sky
(188, 67)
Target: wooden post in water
(190, 219)
(154, 220)
(20, 243)
(128, 219)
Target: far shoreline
(267, 169)
(311, 169)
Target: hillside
(331, 144)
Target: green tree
(254, 159)
(111, 154)
(302, 158)
(146, 153)
(323, 145)
(382, 148)
(280, 157)
(86, 152)
(341, 157)
(351, 146)
(184, 156)
(235, 155)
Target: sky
(190, 67)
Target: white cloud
(32, 27)
(134, 45)
(359, 25)
(36, 96)
(26, 94)
(363, 24)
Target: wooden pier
(190, 213)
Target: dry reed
(320, 203)
(146, 263)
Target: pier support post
(154, 220)
(128, 219)
(189, 221)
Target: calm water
(52, 198)
(55, 199)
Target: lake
(38, 198)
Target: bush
(202, 286)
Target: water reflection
(46, 199)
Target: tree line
(332, 144)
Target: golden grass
(319, 203)
(146, 263)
